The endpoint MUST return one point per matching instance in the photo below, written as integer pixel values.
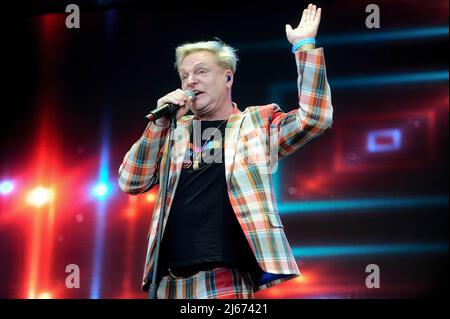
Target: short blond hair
(225, 54)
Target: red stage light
(40, 196)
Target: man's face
(200, 73)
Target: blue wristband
(299, 43)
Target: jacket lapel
(231, 140)
(181, 142)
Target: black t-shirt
(202, 227)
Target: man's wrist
(302, 43)
(307, 47)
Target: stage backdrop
(369, 197)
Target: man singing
(222, 234)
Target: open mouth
(198, 93)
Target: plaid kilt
(217, 283)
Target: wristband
(299, 43)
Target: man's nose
(191, 80)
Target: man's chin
(198, 109)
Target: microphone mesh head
(191, 93)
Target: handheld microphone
(167, 109)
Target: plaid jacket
(254, 140)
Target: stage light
(6, 187)
(45, 295)
(387, 140)
(150, 197)
(100, 190)
(40, 196)
(301, 279)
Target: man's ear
(229, 78)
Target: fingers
(317, 17)
(177, 97)
(303, 17)
(181, 97)
(189, 101)
(309, 13)
(312, 12)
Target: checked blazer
(254, 141)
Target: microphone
(167, 109)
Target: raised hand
(307, 28)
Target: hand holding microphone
(176, 101)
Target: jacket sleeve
(314, 115)
(139, 170)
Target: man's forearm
(139, 169)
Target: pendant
(196, 160)
(195, 166)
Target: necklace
(197, 155)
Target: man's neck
(223, 114)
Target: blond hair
(225, 55)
